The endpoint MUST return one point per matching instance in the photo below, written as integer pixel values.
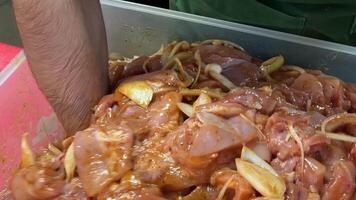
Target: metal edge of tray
(231, 26)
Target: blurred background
(8, 30)
(331, 20)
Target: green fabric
(333, 20)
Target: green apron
(333, 20)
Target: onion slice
(200, 63)
(248, 155)
(334, 121)
(183, 44)
(210, 118)
(214, 70)
(272, 64)
(201, 100)
(294, 68)
(27, 156)
(69, 162)
(197, 92)
(224, 188)
(338, 136)
(139, 92)
(188, 80)
(187, 109)
(261, 179)
(295, 136)
(212, 67)
(54, 149)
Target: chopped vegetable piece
(139, 92)
(337, 120)
(197, 92)
(69, 162)
(201, 100)
(186, 108)
(248, 155)
(295, 136)
(261, 179)
(272, 64)
(27, 157)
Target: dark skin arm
(65, 45)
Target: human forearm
(65, 45)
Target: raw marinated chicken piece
(163, 114)
(254, 99)
(285, 167)
(351, 94)
(281, 142)
(44, 180)
(221, 54)
(105, 103)
(313, 175)
(201, 192)
(334, 93)
(136, 66)
(155, 165)
(342, 183)
(237, 189)
(103, 155)
(131, 192)
(236, 64)
(190, 140)
(296, 192)
(311, 86)
(73, 191)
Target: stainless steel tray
(134, 29)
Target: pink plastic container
(23, 108)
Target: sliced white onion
(210, 118)
(224, 188)
(197, 92)
(339, 136)
(139, 92)
(334, 121)
(187, 109)
(201, 100)
(223, 80)
(183, 44)
(27, 156)
(261, 149)
(261, 179)
(272, 64)
(214, 70)
(248, 155)
(296, 137)
(69, 162)
(54, 149)
(212, 67)
(294, 68)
